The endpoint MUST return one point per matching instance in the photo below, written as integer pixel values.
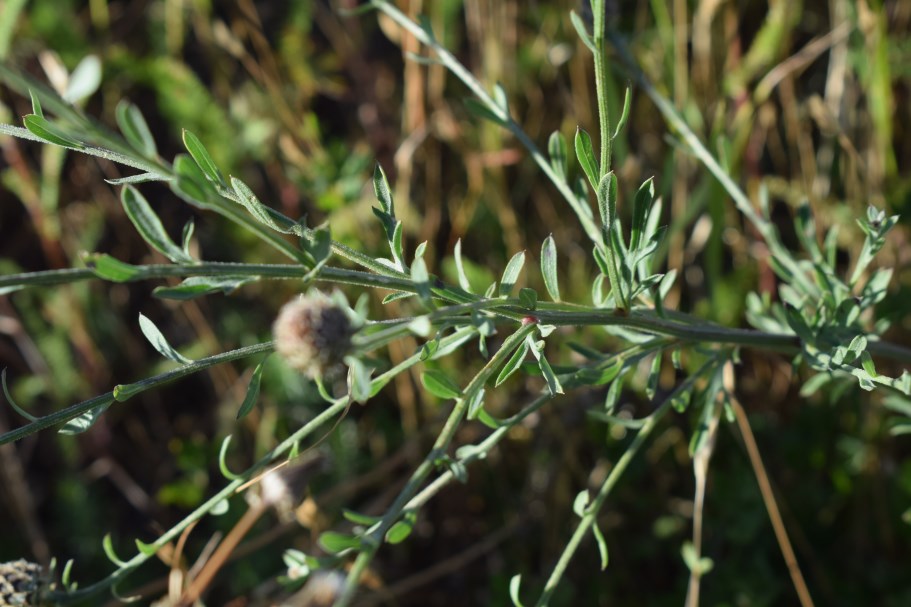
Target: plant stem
(374, 538)
(459, 71)
(600, 85)
(335, 408)
(591, 512)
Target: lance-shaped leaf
(586, 155)
(624, 114)
(202, 157)
(549, 268)
(558, 152)
(261, 212)
(438, 383)
(511, 274)
(135, 129)
(197, 286)
(641, 207)
(158, 341)
(50, 132)
(252, 390)
(149, 225)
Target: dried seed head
(19, 583)
(312, 333)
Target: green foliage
(426, 316)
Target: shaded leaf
(438, 383)
(149, 225)
(252, 391)
(549, 268)
(159, 342)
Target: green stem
(468, 79)
(600, 88)
(591, 512)
(375, 537)
(72, 412)
(334, 409)
(765, 228)
(590, 515)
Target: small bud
(20, 582)
(313, 334)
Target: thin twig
(768, 497)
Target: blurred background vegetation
(810, 96)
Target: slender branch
(591, 512)
(375, 535)
(468, 79)
(334, 409)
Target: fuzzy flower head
(19, 583)
(313, 334)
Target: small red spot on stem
(529, 320)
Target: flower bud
(19, 583)
(313, 334)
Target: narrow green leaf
(558, 152)
(197, 286)
(515, 583)
(86, 420)
(641, 207)
(360, 519)
(12, 403)
(624, 114)
(396, 246)
(599, 376)
(460, 269)
(400, 531)
(586, 155)
(438, 383)
(383, 192)
(108, 545)
(553, 384)
(511, 274)
(261, 212)
(186, 237)
(479, 110)
(335, 543)
(602, 545)
(475, 404)
(580, 503)
(252, 391)
(106, 267)
(36, 104)
(501, 98)
(135, 129)
(607, 202)
(146, 549)
(359, 385)
(514, 362)
(223, 460)
(421, 279)
(396, 296)
(149, 225)
(866, 362)
(50, 132)
(579, 24)
(613, 394)
(549, 268)
(159, 342)
(654, 373)
(528, 298)
(133, 179)
(201, 155)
